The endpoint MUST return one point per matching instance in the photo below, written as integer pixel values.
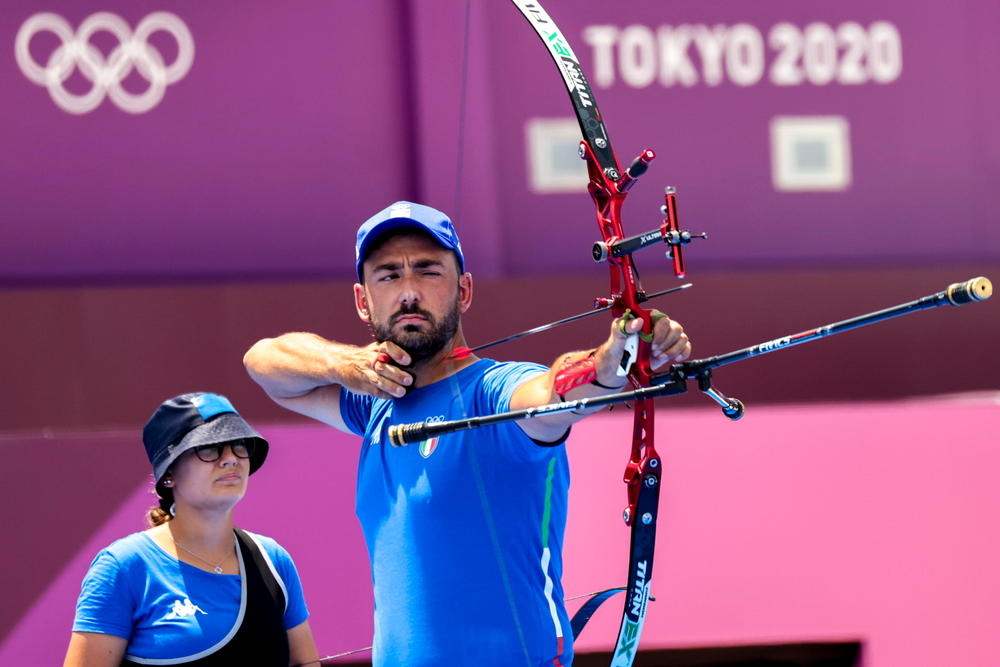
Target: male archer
(464, 532)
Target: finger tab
(382, 357)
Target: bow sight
(669, 232)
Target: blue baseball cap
(408, 214)
(192, 420)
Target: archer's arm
(92, 649)
(304, 372)
(670, 344)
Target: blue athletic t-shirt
(464, 531)
(167, 608)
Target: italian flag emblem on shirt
(427, 447)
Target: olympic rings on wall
(106, 75)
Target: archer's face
(413, 294)
(216, 485)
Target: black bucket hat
(192, 420)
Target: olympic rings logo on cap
(133, 51)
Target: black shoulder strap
(269, 577)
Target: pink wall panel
(872, 521)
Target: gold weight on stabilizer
(974, 289)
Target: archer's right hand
(376, 370)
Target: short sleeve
(296, 611)
(355, 410)
(498, 386)
(105, 603)
(500, 382)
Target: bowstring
(457, 396)
(462, 97)
(333, 657)
(487, 508)
(456, 391)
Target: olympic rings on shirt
(106, 75)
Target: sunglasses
(242, 449)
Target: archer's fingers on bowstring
(378, 373)
(388, 376)
(395, 353)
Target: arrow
(463, 352)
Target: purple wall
(926, 152)
(142, 253)
(257, 162)
(796, 524)
(103, 357)
(295, 122)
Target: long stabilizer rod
(674, 381)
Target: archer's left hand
(669, 344)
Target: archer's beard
(420, 345)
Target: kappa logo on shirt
(184, 609)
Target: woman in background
(194, 589)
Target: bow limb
(608, 188)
